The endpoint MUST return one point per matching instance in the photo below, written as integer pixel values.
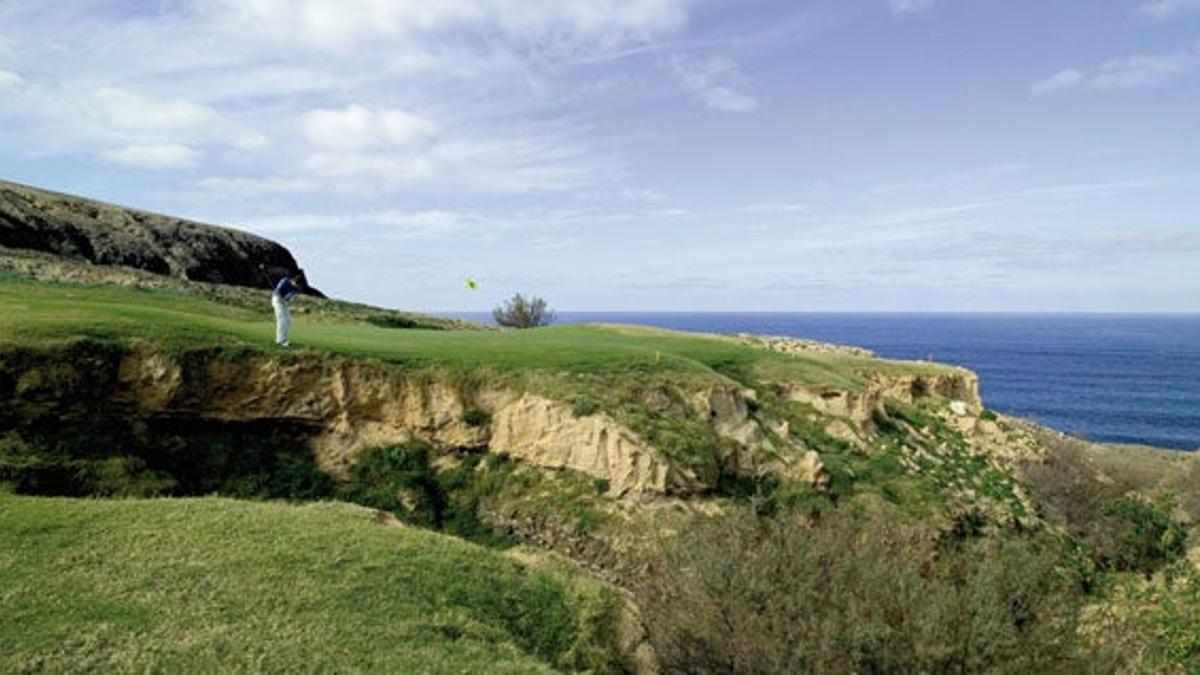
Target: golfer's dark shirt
(286, 289)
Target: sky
(692, 155)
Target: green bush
(400, 480)
(522, 312)
(474, 417)
(397, 479)
(1152, 627)
(848, 594)
(1120, 533)
(585, 406)
(392, 321)
(1139, 536)
(988, 415)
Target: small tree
(522, 312)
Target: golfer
(285, 290)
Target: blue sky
(830, 155)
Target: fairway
(40, 313)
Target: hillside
(220, 585)
(715, 478)
(105, 234)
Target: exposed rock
(105, 234)
(858, 406)
(729, 415)
(843, 431)
(791, 345)
(754, 454)
(349, 405)
(808, 470)
(546, 433)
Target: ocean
(1110, 378)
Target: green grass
(214, 584)
(38, 312)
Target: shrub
(474, 417)
(1139, 536)
(399, 479)
(584, 406)
(988, 415)
(742, 594)
(1120, 533)
(522, 312)
(1151, 627)
(392, 321)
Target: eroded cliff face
(344, 406)
(858, 406)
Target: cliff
(767, 479)
(105, 234)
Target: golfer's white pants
(283, 318)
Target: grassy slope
(202, 584)
(38, 313)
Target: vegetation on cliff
(772, 504)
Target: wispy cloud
(717, 82)
(1164, 9)
(357, 128)
(911, 6)
(1124, 73)
(169, 156)
(400, 95)
(242, 187)
(339, 25)
(777, 207)
(9, 79)
(1063, 79)
(393, 223)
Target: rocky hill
(105, 234)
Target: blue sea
(1111, 378)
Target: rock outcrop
(547, 434)
(105, 234)
(857, 406)
(343, 406)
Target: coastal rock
(792, 345)
(857, 406)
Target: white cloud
(242, 187)
(1125, 73)
(77, 117)
(1140, 71)
(1164, 9)
(357, 128)
(911, 6)
(123, 109)
(777, 207)
(345, 24)
(714, 82)
(154, 156)
(515, 161)
(10, 79)
(339, 89)
(393, 223)
(1064, 79)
